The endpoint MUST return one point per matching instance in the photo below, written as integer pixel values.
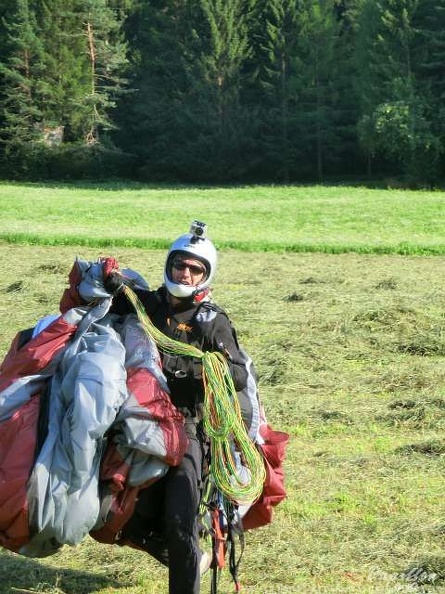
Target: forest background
(223, 91)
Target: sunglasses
(195, 270)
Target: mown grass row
(404, 249)
(298, 219)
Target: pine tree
(214, 115)
(187, 61)
(107, 63)
(429, 69)
(276, 39)
(304, 75)
(85, 61)
(343, 155)
(393, 121)
(321, 59)
(147, 120)
(21, 70)
(63, 84)
(8, 9)
(60, 73)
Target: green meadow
(338, 293)
(256, 218)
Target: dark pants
(165, 521)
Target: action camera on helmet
(198, 229)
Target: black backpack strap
(206, 309)
(24, 337)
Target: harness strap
(218, 547)
(224, 530)
(234, 563)
(214, 582)
(218, 541)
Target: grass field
(257, 218)
(350, 350)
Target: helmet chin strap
(200, 294)
(196, 297)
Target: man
(165, 521)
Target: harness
(219, 517)
(224, 496)
(220, 521)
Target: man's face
(187, 271)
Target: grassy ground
(311, 218)
(350, 351)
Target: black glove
(114, 283)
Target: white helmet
(192, 245)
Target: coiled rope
(236, 464)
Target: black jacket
(203, 325)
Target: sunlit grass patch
(273, 219)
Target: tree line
(223, 91)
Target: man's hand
(114, 283)
(112, 277)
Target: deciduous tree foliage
(223, 90)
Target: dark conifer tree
(184, 119)
(107, 63)
(61, 70)
(85, 61)
(278, 64)
(148, 118)
(318, 97)
(344, 157)
(304, 73)
(394, 121)
(216, 124)
(64, 84)
(429, 70)
(21, 69)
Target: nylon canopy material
(100, 384)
